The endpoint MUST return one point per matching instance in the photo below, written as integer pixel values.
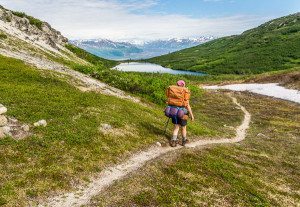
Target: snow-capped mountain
(120, 50)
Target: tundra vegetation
(88, 131)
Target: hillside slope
(86, 131)
(274, 45)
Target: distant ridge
(274, 45)
(120, 50)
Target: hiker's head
(181, 83)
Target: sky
(134, 20)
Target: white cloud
(118, 20)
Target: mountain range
(121, 50)
(274, 45)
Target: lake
(152, 68)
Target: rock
(1, 133)
(12, 120)
(44, 32)
(106, 127)
(3, 109)
(158, 144)
(6, 130)
(3, 120)
(261, 135)
(25, 128)
(41, 123)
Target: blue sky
(153, 19)
(214, 8)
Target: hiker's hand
(192, 118)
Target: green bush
(3, 36)
(33, 21)
(19, 14)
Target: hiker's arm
(190, 112)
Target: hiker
(179, 110)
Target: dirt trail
(83, 195)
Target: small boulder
(3, 109)
(1, 133)
(6, 130)
(106, 127)
(12, 120)
(3, 120)
(261, 135)
(158, 144)
(25, 128)
(40, 123)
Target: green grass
(71, 147)
(149, 86)
(271, 46)
(263, 170)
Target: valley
(104, 142)
(125, 50)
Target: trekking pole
(167, 126)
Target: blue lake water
(152, 68)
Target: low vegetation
(271, 46)
(148, 86)
(33, 21)
(263, 170)
(74, 145)
(3, 36)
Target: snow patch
(268, 89)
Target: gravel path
(83, 195)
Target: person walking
(178, 96)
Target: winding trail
(106, 178)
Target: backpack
(175, 112)
(178, 96)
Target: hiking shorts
(181, 122)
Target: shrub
(3, 36)
(33, 21)
(19, 14)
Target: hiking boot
(173, 143)
(184, 141)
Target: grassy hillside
(73, 146)
(263, 170)
(274, 45)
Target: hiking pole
(167, 126)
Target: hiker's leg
(183, 132)
(175, 132)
